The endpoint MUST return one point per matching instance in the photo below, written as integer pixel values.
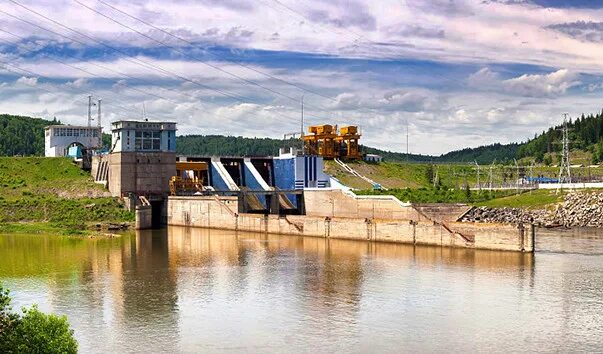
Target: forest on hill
(585, 133)
(20, 135)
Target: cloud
(531, 85)
(78, 83)
(416, 31)
(588, 31)
(549, 85)
(343, 14)
(30, 81)
(401, 100)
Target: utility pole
(479, 186)
(301, 135)
(517, 177)
(564, 168)
(407, 151)
(98, 120)
(490, 176)
(89, 111)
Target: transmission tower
(479, 186)
(490, 177)
(565, 176)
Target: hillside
(585, 134)
(54, 192)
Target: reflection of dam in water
(194, 290)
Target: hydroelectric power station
(288, 194)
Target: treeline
(22, 135)
(502, 153)
(210, 145)
(584, 133)
(25, 136)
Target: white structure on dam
(58, 138)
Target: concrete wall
(321, 202)
(220, 213)
(140, 172)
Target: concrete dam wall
(333, 214)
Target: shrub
(34, 331)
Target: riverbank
(572, 209)
(52, 195)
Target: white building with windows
(143, 136)
(58, 138)
(373, 158)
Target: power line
(134, 60)
(184, 54)
(215, 54)
(29, 72)
(359, 38)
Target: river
(196, 290)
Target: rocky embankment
(578, 209)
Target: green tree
(34, 331)
(548, 160)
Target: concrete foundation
(141, 173)
(380, 220)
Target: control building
(143, 136)
(58, 138)
(141, 160)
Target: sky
(455, 73)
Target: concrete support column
(144, 217)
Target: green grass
(442, 195)
(23, 176)
(537, 199)
(54, 191)
(30, 228)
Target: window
(147, 140)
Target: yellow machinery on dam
(330, 143)
(189, 178)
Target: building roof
(142, 121)
(71, 126)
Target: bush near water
(33, 331)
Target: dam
(288, 194)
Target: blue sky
(461, 73)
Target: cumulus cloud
(553, 84)
(531, 85)
(78, 83)
(403, 100)
(30, 81)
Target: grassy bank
(52, 195)
(442, 195)
(537, 199)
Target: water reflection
(207, 290)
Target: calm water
(192, 290)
